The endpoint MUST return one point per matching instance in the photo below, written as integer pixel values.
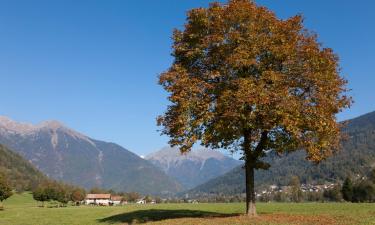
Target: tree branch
(261, 145)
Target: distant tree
(133, 196)
(77, 195)
(125, 197)
(158, 200)
(53, 191)
(371, 176)
(5, 189)
(242, 79)
(63, 193)
(112, 192)
(315, 196)
(347, 190)
(40, 195)
(333, 194)
(97, 190)
(280, 197)
(296, 193)
(364, 191)
(148, 198)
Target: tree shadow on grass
(144, 216)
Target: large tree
(246, 81)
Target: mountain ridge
(67, 155)
(192, 168)
(356, 158)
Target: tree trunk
(250, 191)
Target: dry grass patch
(264, 219)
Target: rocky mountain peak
(51, 124)
(194, 167)
(16, 127)
(174, 154)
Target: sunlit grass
(21, 209)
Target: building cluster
(316, 188)
(110, 200)
(306, 188)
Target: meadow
(23, 210)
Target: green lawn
(22, 210)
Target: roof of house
(116, 198)
(98, 196)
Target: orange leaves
(238, 67)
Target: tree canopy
(5, 189)
(242, 79)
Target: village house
(98, 199)
(103, 199)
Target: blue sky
(93, 64)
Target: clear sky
(93, 64)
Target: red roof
(98, 196)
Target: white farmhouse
(98, 199)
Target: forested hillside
(356, 158)
(19, 172)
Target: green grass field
(22, 210)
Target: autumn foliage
(246, 81)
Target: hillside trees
(21, 175)
(244, 80)
(5, 189)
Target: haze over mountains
(64, 154)
(355, 159)
(193, 168)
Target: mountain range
(61, 153)
(64, 154)
(355, 159)
(192, 168)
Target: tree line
(58, 192)
(360, 190)
(63, 194)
